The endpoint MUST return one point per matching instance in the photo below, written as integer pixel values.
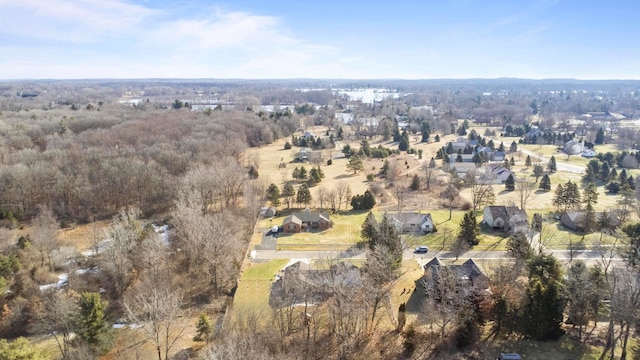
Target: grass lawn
(344, 233)
(255, 285)
(448, 230)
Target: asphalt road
(589, 256)
(560, 165)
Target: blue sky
(71, 39)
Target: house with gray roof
(303, 220)
(412, 222)
(507, 218)
(575, 220)
(300, 282)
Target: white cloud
(71, 20)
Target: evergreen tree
(527, 161)
(273, 195)
(93, 326)
(288, 192)
(545, 183)
(404, 144)
(437, 138)
(304, 195)
(514, 147)
(518, 247)
(459, 158)
(415, 182)
(552, 166)
(369, 228)
(425, 130)
(599, 137)
(203, 328)
(510, 183)
(355, 164)
(469, 230)
(512, 162)
(543, 312)
(589, 176)
(287, 145)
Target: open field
(255, 285)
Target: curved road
(560, 165)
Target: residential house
(507, 218)
(303, 220)
(533, 133)
(412, 222)
(491, 155)
(463, 168)
(575, 220)
(471, 281)
(299, 283)
(497, 173)
(466, 158)
(302, 155)
(573, 147)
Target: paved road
(588, 256)
(560, 165)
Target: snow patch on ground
(62, 281)
(163, 231)
(100, 248)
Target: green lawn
(448, 230)
(344, 233)
(255, 285)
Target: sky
(328, 39)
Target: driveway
(560, 165)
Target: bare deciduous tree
(482, 193)
(524, 188)
(43, 234)
(157, 308)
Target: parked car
(421, 250)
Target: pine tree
(304, 195)
(469, 229)
(94, 328)
(552, 166)
(510, 183)
(514, 147)
(545, 183)
(599, 137)
(415, 182)
(355, 164)
(404, 144)
(273, 195)
(527, 161)
(203, 328)
(288, 192)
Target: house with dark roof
(303, 220)
(497, 173)
(575, 220)
(506, 218)
(412, 222)
(470, 279)
(299, 283)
